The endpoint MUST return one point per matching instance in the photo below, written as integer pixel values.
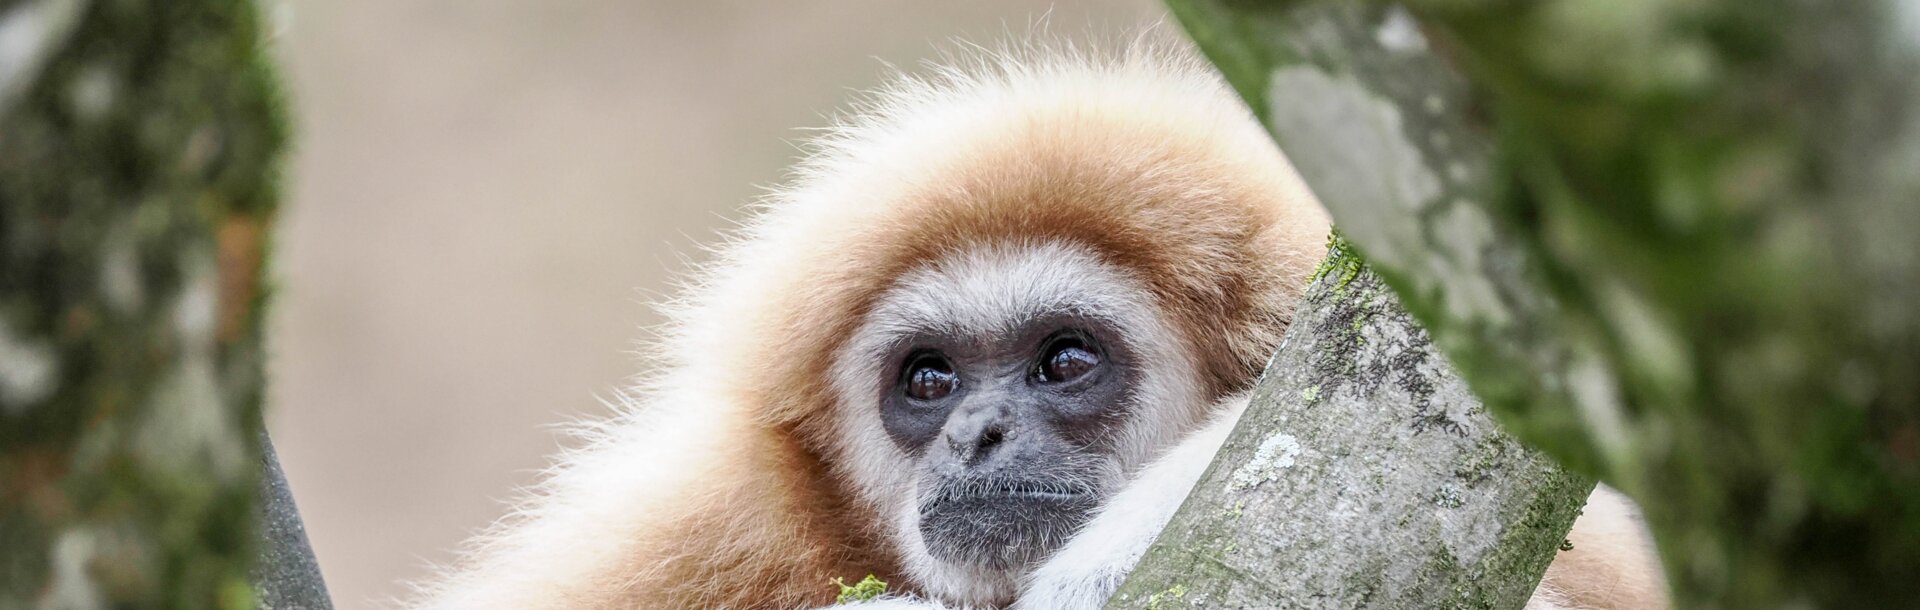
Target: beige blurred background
(485, 194)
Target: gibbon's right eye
(930, 377)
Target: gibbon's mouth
(1002, 524)
(1042, 495)
(961, 491)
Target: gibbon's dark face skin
(1012, 432)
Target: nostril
(989, 438)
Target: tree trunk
(139, 150)
(1363, 475)
(1669, 242)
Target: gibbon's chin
(1003, 524)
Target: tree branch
(1363, 475)
(1669, 242)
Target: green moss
(868, 589)
(1526, 547)
(1343, 262)
(1167, 597)
(1485, 456)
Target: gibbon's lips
(1003, 523)
(1011, 489)
(1045, 495)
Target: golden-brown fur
(718, 484)
(1610, 565)
(1143, 157)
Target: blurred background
(484, 196)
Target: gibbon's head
(1016, 383)
(992, 294)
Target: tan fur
(1611, 565)
(718, 485)
(1144, 158)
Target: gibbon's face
(1014, 386)
(1010, 428)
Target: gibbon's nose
(977, 435)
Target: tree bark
(1669, 242)
(1363, 475)
(139, 151)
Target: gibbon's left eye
(1067, 358)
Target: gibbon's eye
(930, 377)
(1067, 358)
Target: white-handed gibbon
(980, 347)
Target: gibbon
(980, 347)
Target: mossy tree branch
(1669, 242)
(1363, 475)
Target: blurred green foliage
(139, 155)
(1669, 241)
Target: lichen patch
(1275, 454)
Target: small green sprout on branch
(868, 589)
(1342, 262)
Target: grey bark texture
(139, 155)
(1669, 242)
(1364, 474)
